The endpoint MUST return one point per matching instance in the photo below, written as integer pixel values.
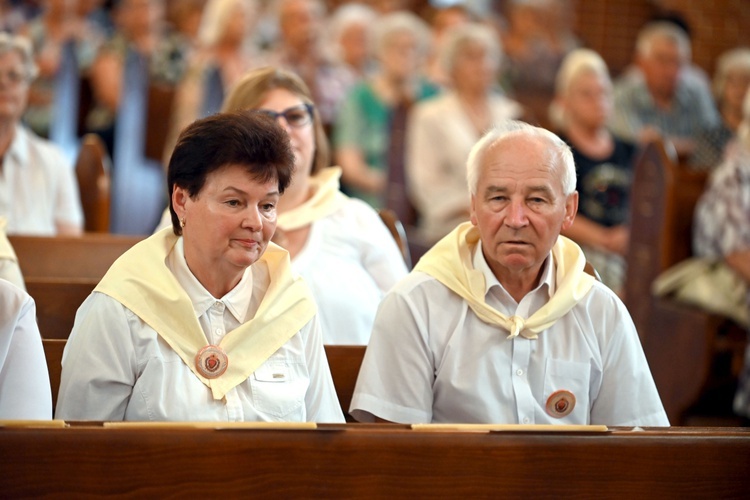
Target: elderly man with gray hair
(38, 190)
(662, 97)
(498, 322)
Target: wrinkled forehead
(520, 156)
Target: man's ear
(571, 209)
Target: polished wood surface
(344, 361)
(383, 461)
(53, 351)
(81, 257)
(57, 301)
(94, 183)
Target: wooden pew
(80, 257)
(53, 351)
(344, 361)
(94, 182)
(60, 272)
(371, 461)
(680, 341)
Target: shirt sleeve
(68, 200)
(10, 271)
(627, 395)
(321, 402)
(397, 373)
(25, 392)
(99, 367)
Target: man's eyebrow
(492, 189)
(542, 188)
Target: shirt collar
(237, 301)
(18, 149)
(490, 280)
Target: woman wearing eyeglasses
(338, 244)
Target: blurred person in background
(38, 188)
(372, 114)
(349, 38)
(442, 130)
(730, 84)
(604, 163)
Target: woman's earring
(182, 222)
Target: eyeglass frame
(276, 114)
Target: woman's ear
(180, 197)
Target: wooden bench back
(344, 361)
(53, 351)
(663, 199)
(78, 257)
(92, 173)
(681, 342)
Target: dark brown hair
(248, 139)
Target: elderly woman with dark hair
(205, 320)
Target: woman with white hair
(722, 226)
(362, 134)
(349, 38)
(731, 82)
(442, 131)
(224, 53)
(38, 189)
(582, 106)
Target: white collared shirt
(38, 188)
(116, 367)
(24, 382)
(431, 359)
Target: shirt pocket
(279, 387)
(573, 377)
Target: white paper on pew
(214, 425)
(507, 428)
(33, 423)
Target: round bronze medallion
(211, 361)
(560, 404)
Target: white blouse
(116, 367)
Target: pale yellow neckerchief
(141, 281)
(6, 250)
(450, 262)
(326, 199)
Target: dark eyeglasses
(297, 116)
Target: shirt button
(519, 372)
(219, 331)
(219, 305)
(526, 420)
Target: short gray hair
(347, 15)
(730, 61)
(562, 156)
(217, 14)
(21, 45)
(460, 36)
(665, 31)
(401, 22)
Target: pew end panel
(680, 341)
